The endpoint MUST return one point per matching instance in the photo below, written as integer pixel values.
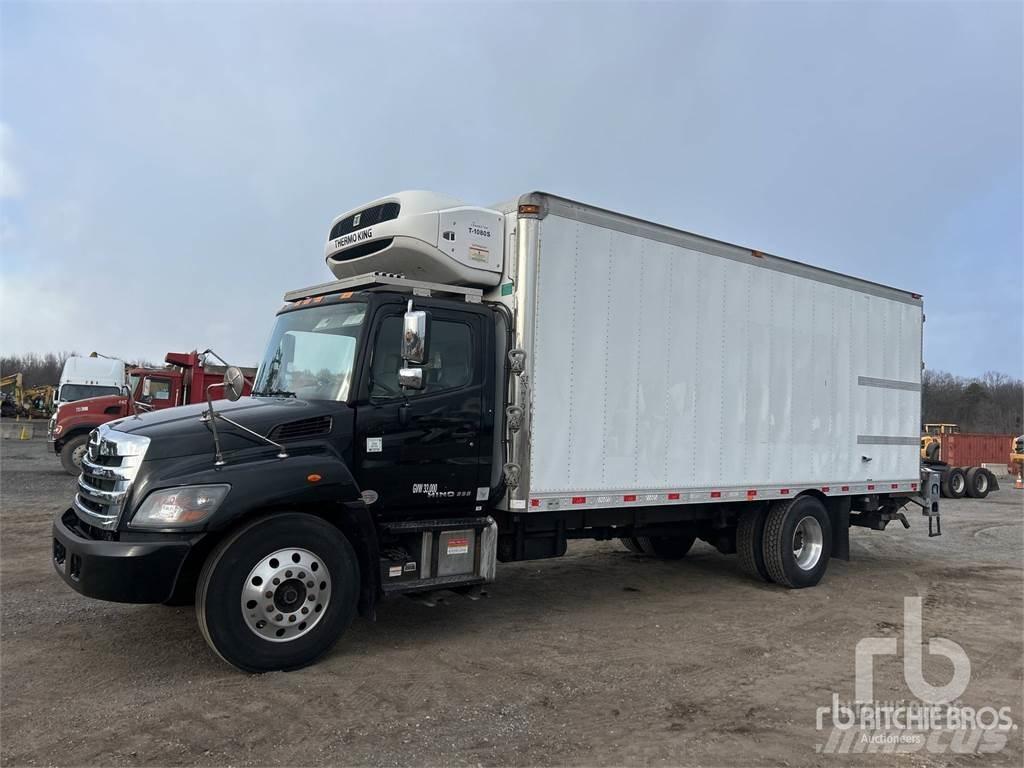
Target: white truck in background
(85, 377)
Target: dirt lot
(599, 658)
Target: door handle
(463, 434)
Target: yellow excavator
(11, 395)
(931, 440)
(38, 401)
(1016, 463)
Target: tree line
(991, 403)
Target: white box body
(664, 367)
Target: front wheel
(72, 453)
(277, 593)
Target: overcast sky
(169, 170)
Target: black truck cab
(404, 475)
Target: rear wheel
(667, 547)
(797, 542)
(750, 543)
(72, 453)
(278, 592)
(954, 483)
(632, 545)
(977, 482)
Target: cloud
(10, 179)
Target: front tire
(72, 453)
(797, 542)
(276, 594)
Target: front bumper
(142, 571)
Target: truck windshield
(312, 353)
(72, 392)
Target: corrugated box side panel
(658, 366)
(974, 449)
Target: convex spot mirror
(234, 383)
(414, 337)
(411, 378)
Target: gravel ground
(598, 658)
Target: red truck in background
(182, 382)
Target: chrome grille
(109, 467)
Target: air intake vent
(297, 430)
(365, 218)
(362, 250)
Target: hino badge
(485, 384)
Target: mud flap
(839, 515)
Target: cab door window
(450, 365)
(156, 391)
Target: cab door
(419, 449)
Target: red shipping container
(969, 449)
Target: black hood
(181, 431)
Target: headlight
(173, 507)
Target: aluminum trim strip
(887, 440)
(869, 381)
(563, 500)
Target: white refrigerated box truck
(484, 384)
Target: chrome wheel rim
(808, 541)
(958, 483)
(286, 594)
(981, 484)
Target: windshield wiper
(274, 393)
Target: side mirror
(414, 337)
(411, 378)
(234, 383)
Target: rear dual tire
(977, 482)
(750, 543)
(797, 542)
(954, 483)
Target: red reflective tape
(784, 491)
(751, 494)
(673, 496)
(913, 486)
(825, 489)
(630, 497)
(871, 487)
(579, 499)
(534, 502)
(895, 485)
(845, 488)
(716, 494)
